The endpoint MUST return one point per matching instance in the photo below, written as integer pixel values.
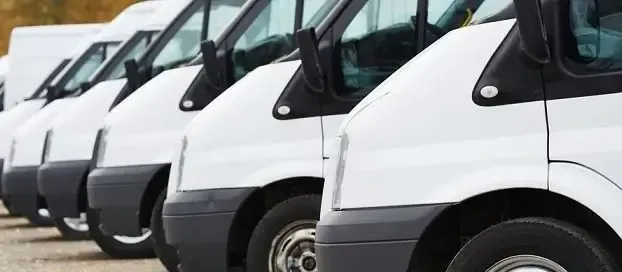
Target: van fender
(590, 188)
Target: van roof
(56, 30)
(129, 21)
(166, 14)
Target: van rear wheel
(165, 252)
(533, 243)
(117, 246)
(284, 239)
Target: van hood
(11, 119)
(75, 128)
(29, 137)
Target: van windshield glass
(443, 13)
(315, 12)
(134, 47)
(83, 68)
(185, 43)
(271, 35)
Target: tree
(45, 12)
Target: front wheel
(73, 228)
(119, 247)
(539, 244)
(40, 219)
(284, 240)
(165, 252)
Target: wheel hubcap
(77, 224)
(134, 240)
(293, 249)
(526, 263)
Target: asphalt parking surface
(26, 248)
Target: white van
(256, 154)
(19, 177)
(34, 67)
(32, 63)
(60, 177)
(512, 165)
(257, 36)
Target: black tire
(300, 208)
(69, 233)
(112, 246)
(39, 221)
(558, 241)
(7, 204)
(165, 252)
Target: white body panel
(166, 14)
(11, 119)
(29, 137)
(145, 127)
(32, 63)
(236, 142)
(448, 148)
(75, 128)
(589, 188)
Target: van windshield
(84, 66)
(132, 49)
(184, 45)
(383, 37)
(271, 35)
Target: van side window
(596, 34)
(377, 42)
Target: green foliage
(44, 12)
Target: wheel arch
(157, 184)
(446, 234)
(258, 203)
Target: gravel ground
(25, 248)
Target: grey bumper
(60, 184)
(380, 239)
(116, 193)
(197, 224)
(19, 186)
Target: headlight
(11, 153)
(341, 163)
(100, 148)
(177, 166)
(180, 165)
(46, 146)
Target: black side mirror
(532, 31)
(132, 74)
(85, 86)
(51, 93)
(210, 64)
(309, 53)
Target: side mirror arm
(532, 31)
(311, 65)
(210, 65)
